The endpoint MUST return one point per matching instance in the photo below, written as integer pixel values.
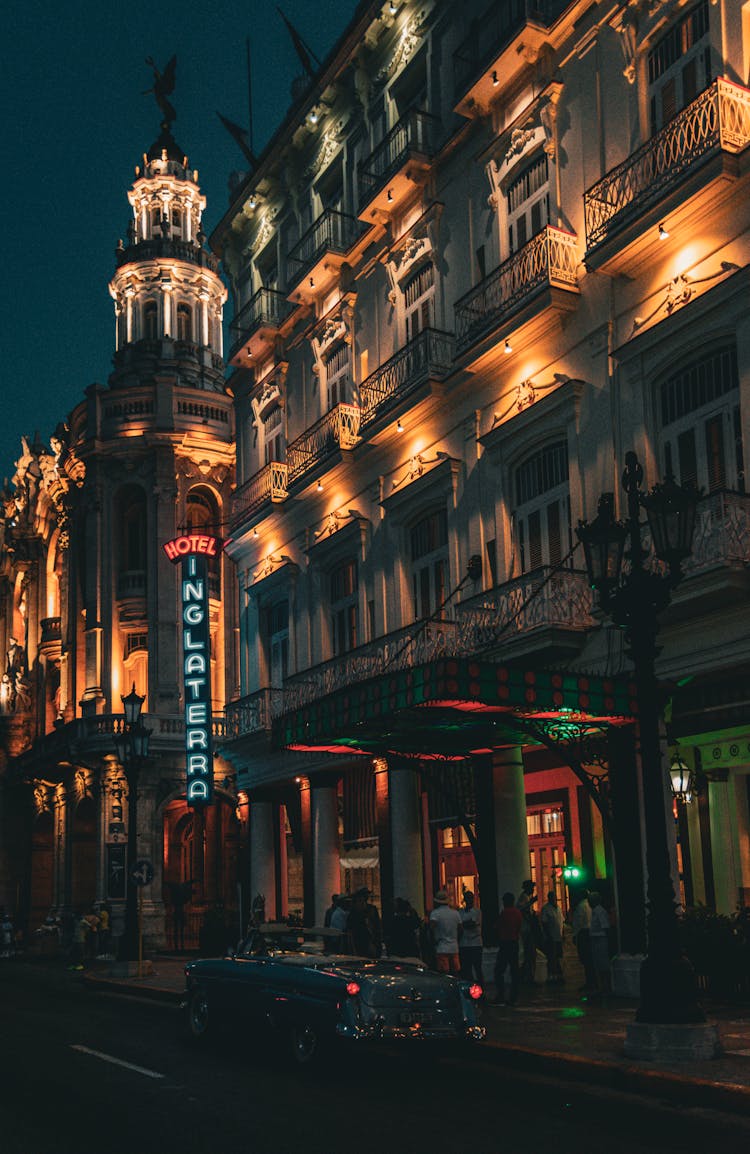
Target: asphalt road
(84, 1071)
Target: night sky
(75, 123)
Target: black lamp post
(634, 600)
(132, 751)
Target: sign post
(142, 874)
(192, 551)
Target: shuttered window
(701, 428)
(542, 513)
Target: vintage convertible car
(283, 978)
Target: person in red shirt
(507, 932)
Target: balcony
(402, 649)
(257, 324)
(316, 258)
(545, 614)
(684, 172)
(157, 248)
(266, 487)
(337, 429)
(399, 164)
(717, 572)
(252, 715)
(502, 42)
(51, 630)
(418, 366)
(540, 278)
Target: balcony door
(679, 66)
(528, 202)
(429, 564)
(419, 301)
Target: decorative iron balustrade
(722, 532)
(332, 232)
(252, 714)
(338, 428)
(717, 120)
(492, 32)
(404, 649)
(265, 307)
(416, 132)
(544, 598)
(158, 248)
(269, 484)
(549, 259)
(428, 356)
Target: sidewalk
(553, 1030)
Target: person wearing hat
(446, 929)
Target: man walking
(508, 933)
(470, 950)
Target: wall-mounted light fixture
(495, 79)
(319, 486)
(663, 231)
(508, 348)
(390, 196)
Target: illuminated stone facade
(93, 602)
(491, 249)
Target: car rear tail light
(475, 992)
(352, 989)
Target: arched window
(131, 522)
(184, 323)
(541, 514)
(150, 321)
(700, 419)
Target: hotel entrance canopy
(453, 708)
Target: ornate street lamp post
(132, 751)
(634, 599)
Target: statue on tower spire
(162, 88)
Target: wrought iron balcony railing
(549, 259)
(414, 134)
(268, 485)
(156, 248)
(543, 598)
(722, 532)
(332, 232)
(427, 356)
(717, 120)
(265, 309)
(336, 429)
(494, 31)
(252, 714)
(402, 649)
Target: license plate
(414, 1018)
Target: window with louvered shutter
(541, 517)
(701, 429)
(679, 66)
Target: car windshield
(282, 939)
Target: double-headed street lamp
(132, 751)
(634, 599)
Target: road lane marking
(117, 1061)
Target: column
(723, 826)
(511, 836)
(325, 845)
(262, 856)
(406, 834)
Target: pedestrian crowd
(451, 940)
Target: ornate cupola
(168, 295)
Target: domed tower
(167, 292)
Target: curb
(727, 1096)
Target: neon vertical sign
(192, 551)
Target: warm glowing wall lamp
(508, 348)
(663, 233)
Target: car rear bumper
(380, 1031)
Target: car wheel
(305, 1044)
(197, 1014)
